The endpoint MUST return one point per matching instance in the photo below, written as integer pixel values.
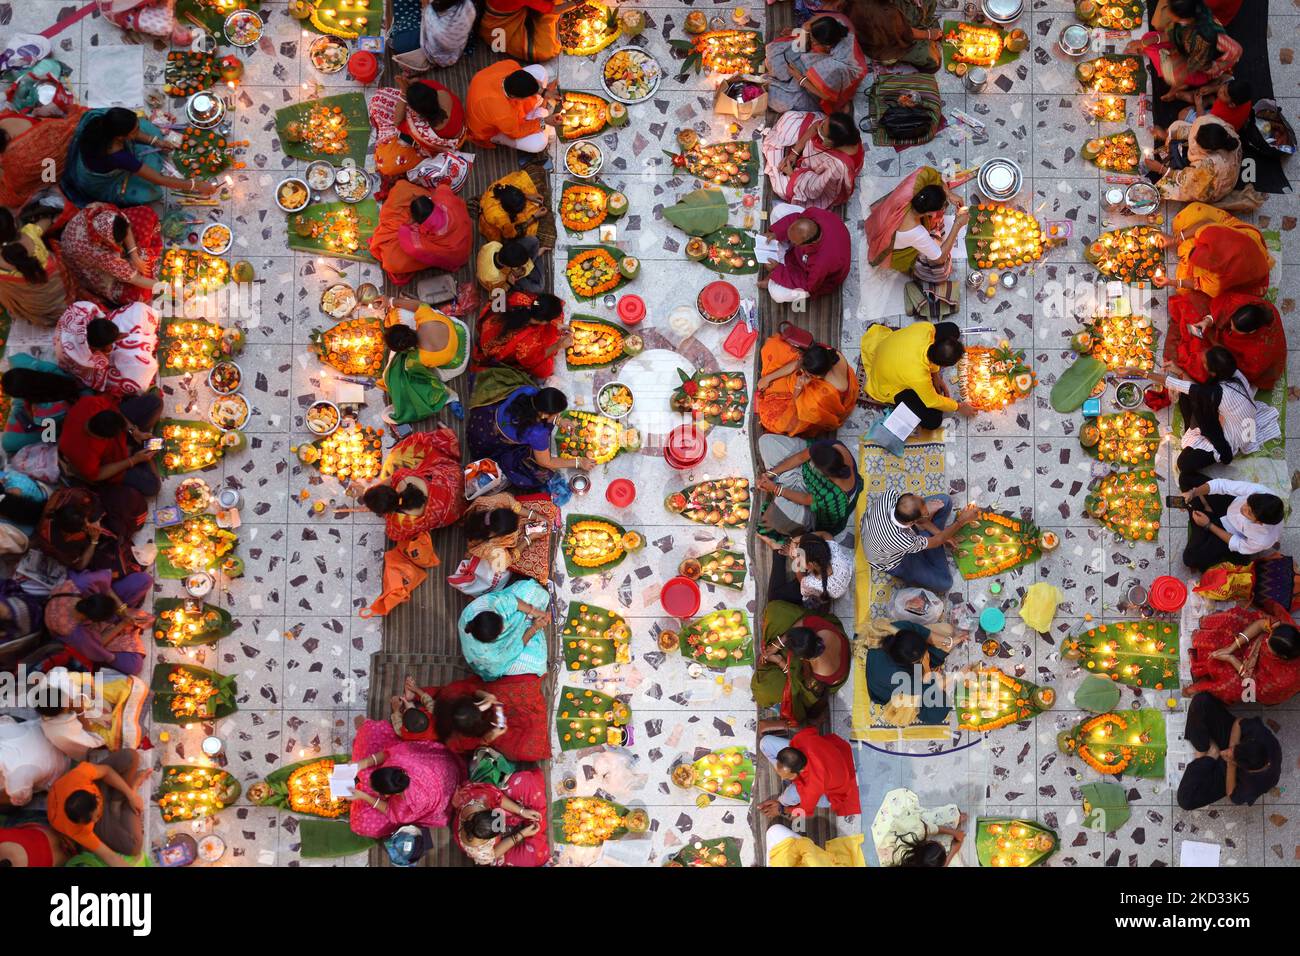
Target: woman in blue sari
(511, 421)
(503, 632)
(116, 157)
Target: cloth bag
(726, 104)
(490, 766)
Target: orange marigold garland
(1117, 743)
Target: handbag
(728, 97)
(490, 766)
(906, 122)
(474, 576)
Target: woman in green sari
(116, 157)
(423, 359)
(815, 485)
(806, 658)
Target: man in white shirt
(1241, 521)
(29, 763)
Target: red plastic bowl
(1167, 594)
(680, 597)
(363, 66)
(686, 446)
(718, 302)
(631, 309)
(620, 493)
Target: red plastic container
(1167, 594)
(686, 447)
(620, 493)
(680, 597)
(740, 340)
(718, 302)
(631, 309)
(363, 66)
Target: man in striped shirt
(905, 537)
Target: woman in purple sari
(401, 782)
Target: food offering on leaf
(1114, 744)
(587, 28)
(588, 718)
(187, 623)
(728, 251)
(721, 52)
(582, 114)
(593, 544)
(594, 271)
(583, 207)
(593, 637)
(345, 19)
(1132, 254)
(974, 45)
(580, 434)
(1013, 843)
(353, 346)
(987, 698)
(1118, 340)
(1003, 237)
(719, 639)
(193, 446)
(722, 502)
(205, 152)
(995, 543)
(1138, 653)
(194, 270)
(1124, 15)
(587, 821)
(1128, 439)
(1111, 75)
(188, 72)
(717, 852)
(728, 772)
(192, 345)
(1128, 503)
(723, 567)
(196, 544)
(720, 398)
(990, 379)
(1116, 153)
(597, 343)
(733, 164)
(324, 130)
(352, 453)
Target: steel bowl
(1142, 199)
(1000, 179)
(205, 109)
(1002, 11)
(1075, 39)
(306, 189)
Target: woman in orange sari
(421, 486)
(1217, 253)
(804, 391)
(1246, 325)
(421, 229)
(35, 284)
(527, 335)
(25, 143)
(528, 26)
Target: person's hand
(94, 529)
(1161, 281)
(586, 464)
(566, 338)
(766, 484)
(143, 455)
(528, 814)
(961, 822)
(206, 189)
(529, 830)
(962, 217)
(403, 82)
(966, 409)
(1200, 519)
(770, 809)
(968, 514)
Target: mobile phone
(154, 444)
(1176, 501)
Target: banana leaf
(1139, 77)
(367, 219)
(1147, 446)
(719, 852)
(731, 403)
(576, 570)
(1105, 806)
(1142, 654)
(618, 256)
(1120, 742)
(620, 336)
(585, 717)
(206, 14)
(174, 346)
(721, 245)
(950, 49)
(214, 624)
(221, 704)
(723, 576)
(591, 184)
(700, 212)
(594, 636)
(165, 567)
(1097, 695)
(1008, 842)
(730, 651)
(356, 123)
(170, 461)
(224, 790)
(1076, 384)
(558, 808)
(321, 22)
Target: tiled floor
(301, 653)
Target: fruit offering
(345, 19)
(722, 567)
(719, 639)
(718, 852)
(994, 543)
(723, 502)
(1117, 743)
(593, 637)
(186, 622)
(724, 164)
(583, 207)
(192, 793)
(720, 398)
(975, 45)
(193, 495)
(588, 718)
(593, 544)
(631, 75)
(188, 72)
(1116, 153)
(195, 270)
(587, 28)
(615, 400)
(1128, 503)
(990, 379)
(1132, 254)
(597, 343)
(353, 346)
(587, 821)
(987, 698)
(1111, 75)
(1110, 15)
(205, 152)
(580, 434)
(724, 52)
(193, 345)
(582, 114)
(728, 772)
(1138, 653)
(593, 272)
(1128, 438)
(729, 251)
(1119, 340)
(1013, 843)
(193, 446)
(352, 453)
(1003, 237)
(196, 544)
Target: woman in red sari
(1246, 325)
(400, 782)
(421, 229)
(527, 335)
(25, 143)
(425, 111)
(813, 160)
(114, 253)
(508, 714)
(421, 485)
(1242, 644)
(524, 840)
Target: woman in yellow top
(518, 204)
(905, 367)
(34, 283)
(1217, 253)
(423, 359)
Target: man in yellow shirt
(905, 367)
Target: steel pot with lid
(1002, 11)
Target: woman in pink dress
(523, 841)
(401, 782)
